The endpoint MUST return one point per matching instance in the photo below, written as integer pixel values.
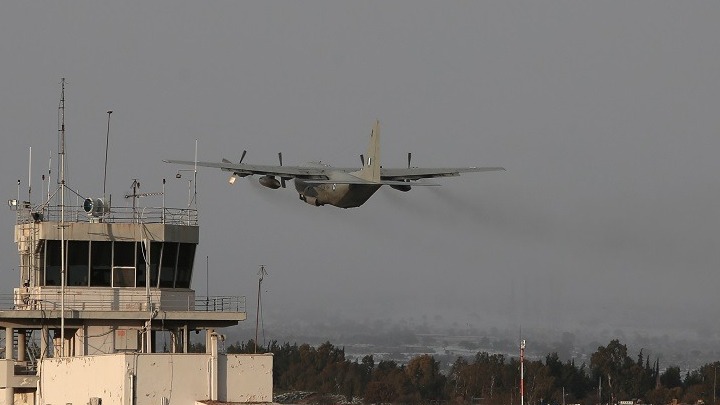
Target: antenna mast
(107, 142)
(30, 177)
(61, 152)
(261, 274)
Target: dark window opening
(155, 254)
(78, 263)
(52, 262)
(123, 276)
(100, 264)
(186, 257)
(124, 254)
(167, 266)
(39, 278)
(141, 264)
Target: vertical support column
(213, 365)
(185, 338)
(208, 340)
(173, 341)
(21, 345)
(9, 343)
(44, 338)
(10, 395)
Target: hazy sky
(605, 114)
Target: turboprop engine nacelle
(401, 188)
(269, 182)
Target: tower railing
(49, 300)
(146, 215)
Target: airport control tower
(104, 311)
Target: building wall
(109, 231)
(181, 378)
(15, 389)
(74, 380)
(245, 378)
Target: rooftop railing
(51, 300)
(145, 215)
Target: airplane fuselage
(338, 195)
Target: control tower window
(124, 264)
(124, 254)
(52, 262)
(123, 276)
(78, 263)
(155, 253)
(168, 262)
(100, 264)
(140, 261)
(186, 257)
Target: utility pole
(261, 274)
(522, 372)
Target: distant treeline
(486, 378)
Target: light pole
(522, 372)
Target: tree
(611, 364)
(538, 381)
(424, 373)
(379, 392)
(671, 377)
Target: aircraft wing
(244, 169)
(360, 181)
(326, 174)
(416, 173)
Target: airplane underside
(338, 195)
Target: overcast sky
(605, 114)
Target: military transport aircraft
(319, 184)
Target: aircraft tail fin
(371, 164)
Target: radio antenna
(61, 152)
(30, 176)
(49, 176)
(107, 142)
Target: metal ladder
(31, 348)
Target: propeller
(282, 179)
(362, 160)
(233, 178)
(409, 158)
